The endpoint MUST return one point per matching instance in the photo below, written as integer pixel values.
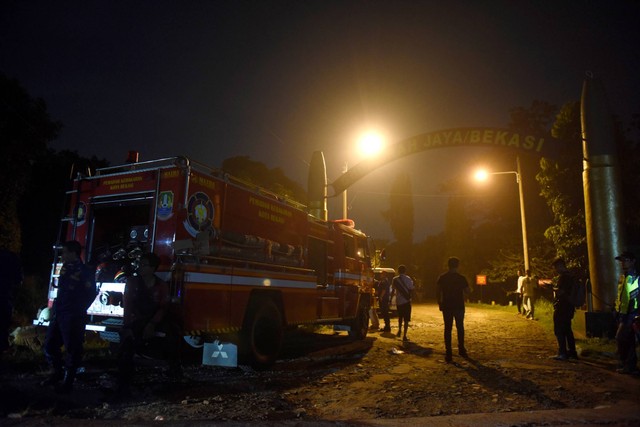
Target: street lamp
(482, 175)
(369, 144)
(344, 195)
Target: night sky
(278, 80)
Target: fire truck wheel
(360, 325)
(263, 334)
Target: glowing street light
(483, 175)
(370, 144)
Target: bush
(28, 298)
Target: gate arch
(601, 180)
(459, 137)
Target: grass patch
(597, 348)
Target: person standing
(563, 311)
(451, 288)
(403, 286)
(146, 316)
(385, 299)
(10, 278)
(373, 310)
(528, 295)
(519, 296)
(76, 292)
(627, 309)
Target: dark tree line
(35, 178)
(483, 231)
(25, 131)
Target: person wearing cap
(563, 311)
(627, 308)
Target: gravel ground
(328, 379)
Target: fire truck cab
(243, 263)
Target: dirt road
(326, 378)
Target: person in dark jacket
(563, 311)
(10, 278)
(384, 297)
(76, 292)
(627, 309)
(147, 318)
(451, 288)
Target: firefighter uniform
(147, 317)
(76, 292)
(627, 308)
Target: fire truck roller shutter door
(262, 332)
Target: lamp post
(344, 195)
(369, 144)
(482, 175)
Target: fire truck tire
(263, 334)
(360, 325)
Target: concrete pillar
(602, 194)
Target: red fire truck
(243, 263)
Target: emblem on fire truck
(200, 214)
(80, 213)
(165, 205)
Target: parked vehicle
(243, 263)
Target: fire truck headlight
(266, 282)
(165, 242)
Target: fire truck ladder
(69, 201)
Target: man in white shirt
(403, 285)
(519, 295)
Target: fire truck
(243, 264)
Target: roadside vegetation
(601, 348)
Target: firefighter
(627, 308)
(76, 292)
(146, 319)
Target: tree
(259, 174)
(536, 119)
(25, 130)
(629, 154)
(561, 186)
(400, 216)
(50, 178)
(431, 262)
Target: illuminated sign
(467, 137)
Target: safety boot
(67, 382)
(55, 376)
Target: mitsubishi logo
(219, 352)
